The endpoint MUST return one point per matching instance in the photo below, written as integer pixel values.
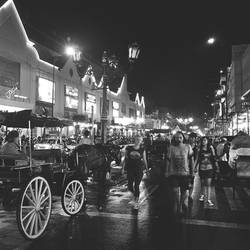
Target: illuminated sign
(115, 106)
(71, 102)
(71, 97)
(90, 102)
(90, 98)
(71, 91)
(45, 90)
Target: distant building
(232, 99)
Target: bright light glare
(70, 51)
(211, 40)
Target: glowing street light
(211, 41)
(74, 52)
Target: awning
(21, 120)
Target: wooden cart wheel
(34, 208)
(73, 197)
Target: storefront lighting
(164, 126)
(21, 97)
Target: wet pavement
(223, 226)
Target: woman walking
(206, 162)
(135, 160)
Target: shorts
(204, 174)
(181, 181)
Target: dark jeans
(134, 175)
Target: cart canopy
(21, 119)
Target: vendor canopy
(21, 119)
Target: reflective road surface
(226, 225)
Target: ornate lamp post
(112, 62)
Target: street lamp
(111, 61)
(211, 41)
(74, 52)
(69, 51)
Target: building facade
(232, 99)
(27, 81)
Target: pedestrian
(206, 163)
(86, 138)
(179, 159)
(222, 156)
(192, 141)
(134, 162)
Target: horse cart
(32, 181)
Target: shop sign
(90, 98)
(71, 102)
(45, 90)
(71, 91)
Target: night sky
(176, 68)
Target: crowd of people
(185, 156)
(182, 156)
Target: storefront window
(45, 90)
(115, 106)
(9, 73)
(71, 97)
(90, 101)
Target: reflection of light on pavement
(148, 192)
(216, 224)
(234, 203)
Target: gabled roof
(50, 57)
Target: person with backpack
(134, 162)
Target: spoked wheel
(34, 208)
(73, 197)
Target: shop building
(232, 98)
(33, 77)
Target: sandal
(202, 197)
(210, 203)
